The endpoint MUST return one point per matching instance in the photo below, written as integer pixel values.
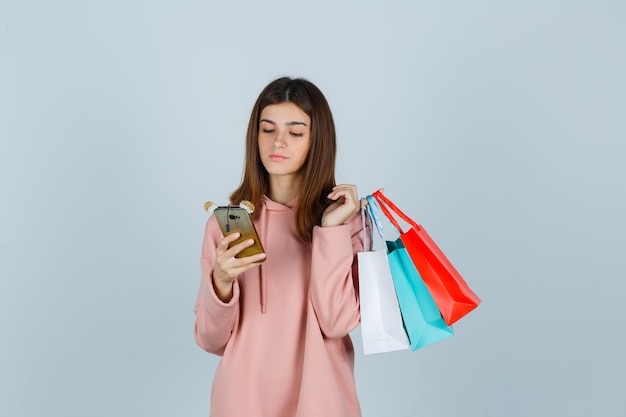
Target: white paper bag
(381, 321)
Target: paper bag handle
(385, 204)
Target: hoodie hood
(271, 205)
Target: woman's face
(284, 138)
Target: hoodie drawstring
(264, 213)
(263, 290)
(263, 283)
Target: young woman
(281, 320)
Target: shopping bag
(382, 329)
(451, 293)
(422, 319)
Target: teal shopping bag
(422, 318)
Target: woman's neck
(283, 188)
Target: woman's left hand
(346, 204)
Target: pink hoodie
(295, 359)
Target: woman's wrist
(224, 291)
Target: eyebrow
(287, 124)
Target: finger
(246, 267)
(228, 239)
(257, 257)
(235, 249)
(222, 247)
(345, 187)
(253, 259)
(238, 265)
(232, 266)
(348, 192)
(348, 196)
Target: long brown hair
(319, 166)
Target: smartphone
(236, 219)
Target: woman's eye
(298, 135)
(268, 131)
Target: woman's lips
(277, 158)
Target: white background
(498, 125)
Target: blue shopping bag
(421, 316)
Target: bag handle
(364, 219)
(372, 206)
(386, 204)
(369, 216)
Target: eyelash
(298, 135)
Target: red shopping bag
(449, 290)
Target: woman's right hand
(228, 268)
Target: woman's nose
(279, 141)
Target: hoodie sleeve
(215, 319)
(334, 276)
